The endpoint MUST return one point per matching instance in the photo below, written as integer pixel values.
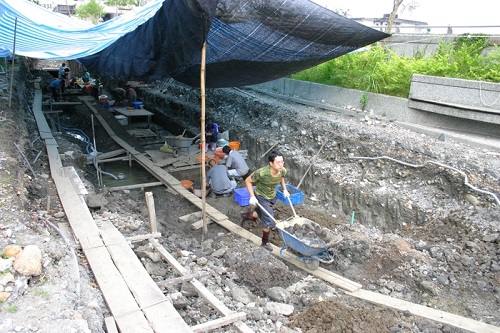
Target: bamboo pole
(203, 140)
(13, 63)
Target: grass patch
(41, 292)
(11, 308)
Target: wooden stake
(151, 210)
(203, 140)
(269, 150)
(310, 165)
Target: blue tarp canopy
(247, 41)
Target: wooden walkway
(136, 302)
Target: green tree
(119, 4)
(395, 8)
(92, 10)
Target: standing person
(265, 180)
(218, 179)
(57, 88)
(131, 95)
(211, 135)
(62, 71)
(235, 164)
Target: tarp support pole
(203, 139)
(12, 65)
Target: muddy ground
(414, 233)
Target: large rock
(29, 261)
(281, 308)
(96, 201)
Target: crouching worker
(236, 165)
(218, 179)
(57, 88)
(265, 180)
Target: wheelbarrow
(179, 142)
(308, 250)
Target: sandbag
(166, 148)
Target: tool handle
(265, 211)
(291, 205)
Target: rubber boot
(206, 147)
(265, 241)
(247, 217)
(212, 146)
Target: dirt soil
(437, 245)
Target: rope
(466, 181)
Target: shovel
(291, 205)
(267, 213)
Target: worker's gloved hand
(286, 194)
(253, 201)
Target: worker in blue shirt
(211, 135)
(62, 73)
(57, 88)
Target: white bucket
(122, 119)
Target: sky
(434, 12)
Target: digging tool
(265, 211)
(291, 205)
(310, 165)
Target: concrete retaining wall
(381, 105)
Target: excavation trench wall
(349, 201)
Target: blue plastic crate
(295, 194)
(242, 196)
(137, 105)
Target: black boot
(247, 217)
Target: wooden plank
(200, 288)
(425, 312)
(160, 312)
(190, 217)
(52, 111)
(43, 126)
(142, 133)
(110, 154)
(110, 324)
(61, 103)
(134, 112)
(80, 188)
(160, 158)
(135, 186)
(189, 167)
(181, 279)
(116, 293)
(138, 238)
(150, 203)
(216, 323)
(76, 209)
(199, 224)
(121, 303)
